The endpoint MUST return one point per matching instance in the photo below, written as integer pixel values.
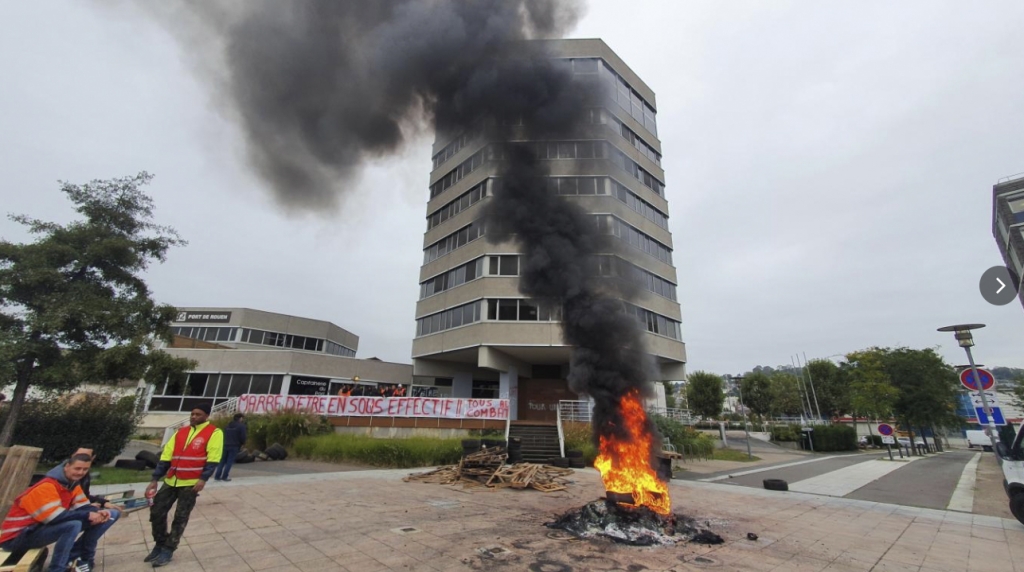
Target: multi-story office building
(1008, 223)
(475, 332)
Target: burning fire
(625, 465)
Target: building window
(447, 319)
(521, 310)
(633, 237)
(457, 174)
(305, 343)
(655, 323)
(455, 240)
(206, 334)
(457, 205)
(485, 389)
(505, 265)
(605, 265)
(456, 277)
(639, 205)
(629, 99)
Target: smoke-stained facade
(539, 216)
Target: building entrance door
(538, 398)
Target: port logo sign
(988, 381)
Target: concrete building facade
(1008, 223)
(240, 350)
(476, 334)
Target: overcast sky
(829, 172)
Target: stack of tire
(143, 460)
(560, 462)
(575, 459)
(276, 452)
(244, 456)
(515, 450)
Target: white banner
(359, 406)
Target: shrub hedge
(59, 426)
(834, 438)
(282, 427)
(397, 453)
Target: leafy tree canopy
(704, 394)
(73, 304)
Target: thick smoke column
(321, 87)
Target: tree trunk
(910, 431)
(923, 438)
(17, 400)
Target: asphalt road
(927, 483)
(798, 472)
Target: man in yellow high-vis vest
(189, 459)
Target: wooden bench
(32, 561)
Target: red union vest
(188, 462)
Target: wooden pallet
(32, 561)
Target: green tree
(73, 306)
(785, 394)
(872, 393)
(670, 394)
(757, 393)
(831, 387)
(704, 394)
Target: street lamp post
(962, 333)
(738, 380)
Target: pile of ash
(628, 524)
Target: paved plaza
(372, 520)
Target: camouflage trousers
(162, 502)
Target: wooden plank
(16, 473)
(32, 561)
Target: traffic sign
(997, 416)
(988, 381)
(993, 400)
(885, 429)
(888, 440)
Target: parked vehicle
(978, 438)
(1012, 459)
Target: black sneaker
(163, 559)
(153, 554)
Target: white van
(1012, 459)
(978, 438)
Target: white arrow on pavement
(1001, 285)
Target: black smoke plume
(320, 87)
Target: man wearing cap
(187, 462)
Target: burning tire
(776, 485)
(148, 457)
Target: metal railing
(227, 407)
(575, 411)
(561, 434)
(1009, 178)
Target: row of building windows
(656, 323)
(522, 310)
(456, 277)
(206, 334)
(638, 142)
(607, 265)
(628, 98)
(639, 205)
(455, 175)
(450, 318)
(457, 239)
(451, 149)
(282, 340)
(221, 385)
(457, 205)
(631, 167)
(626, 233)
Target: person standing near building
(234, 438)
(189, 459)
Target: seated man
(56, 510)
(97, 501)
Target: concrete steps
(540, 442)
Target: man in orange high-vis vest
(55, 511)
(188, 461)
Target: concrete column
(508, 388)
(286, 384)
(462, 385)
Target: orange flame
(625, 465)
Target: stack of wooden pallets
(488, 468)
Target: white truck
(978, 438)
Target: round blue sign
(885, 429)
(987, 380)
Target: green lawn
(733, 455)
(113, 476)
